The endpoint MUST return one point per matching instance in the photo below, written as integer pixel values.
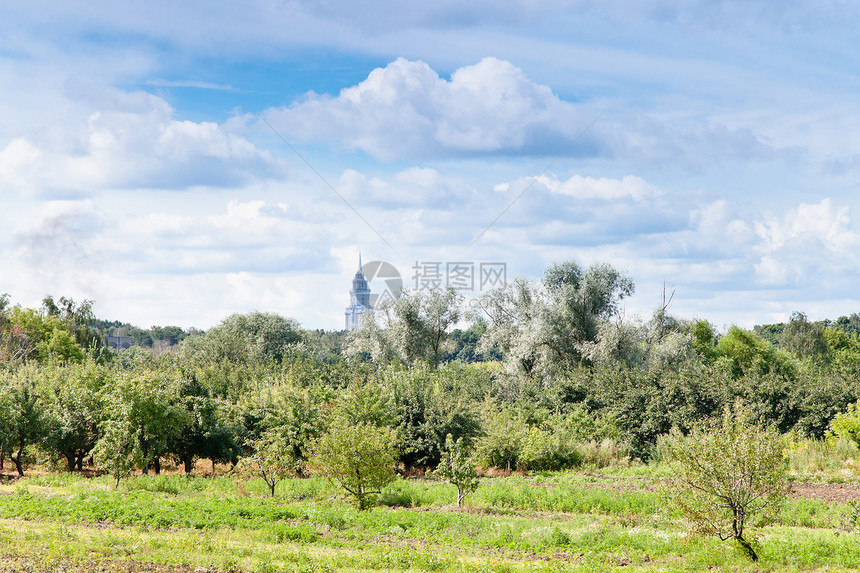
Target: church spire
(359, 299)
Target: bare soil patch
(839, 492)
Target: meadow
(595, 519)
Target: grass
(587, 521)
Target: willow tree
(547, 326)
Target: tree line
(549, 375)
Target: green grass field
(599, 521)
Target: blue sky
(707, 145)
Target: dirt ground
(840, 492)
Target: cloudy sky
(180, 161)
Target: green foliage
(431, 404)
(501, 444)
(256, 337)
(368, 402)
(752, 355)
(203, 432)
(704, 339)
(273, 458)
(74, 410)
(148, 402)
(118, 451)
(292, 413)
(847, 424)
(412, 330)
(22, 416)
(730, 475)
(358, 457)
(457, 468)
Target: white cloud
(132, 141)
(407, 110)
(414, 187)
(606, 188)
(806, 244)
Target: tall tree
(413, 329)
(543, 328)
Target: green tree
(203, 433)
(431, 403)
(504, 434)
(74, 410)
(22, 408)
(273, 458)
(118, 451)
(256, 337)
(726, 477)
(148, 400)
(413, 329)
(358, 457)
(457, 468)
(803, 338)
(77, 319)
(752, 355)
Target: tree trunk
(748, 548)
(188, 462)
(156, 463)
(19, 466)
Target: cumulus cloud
(806, 243)
(406, 110)
(579, 187)
(132, 141)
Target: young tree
(117, 452)
(457, 468)
(148, 401)
(273, 458)
(358, 457)
(730, 475)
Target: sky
(177, 162)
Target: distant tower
(359, 299)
